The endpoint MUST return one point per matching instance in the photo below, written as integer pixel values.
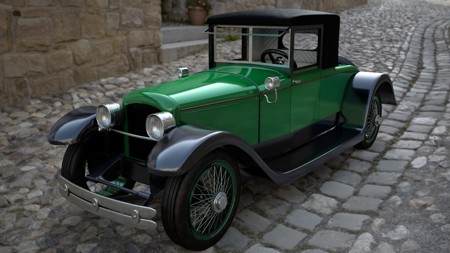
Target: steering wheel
(276, 60)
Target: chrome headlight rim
(108, 115)
(157, 124)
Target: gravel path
(393, 197)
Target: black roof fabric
(274, 17)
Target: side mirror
(272, 83)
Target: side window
(306, 47)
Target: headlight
(157, 123)
(108, 115)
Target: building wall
(175, 10)
(48, 46)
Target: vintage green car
(276, 101)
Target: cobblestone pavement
(393, 197)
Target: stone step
(177, 50)
(173, 34)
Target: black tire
(192, 197)
(345, 61)
(75, 166)
(372, 123)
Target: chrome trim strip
(118, 211)
(131, 135)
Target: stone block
(303, 219)
(75, 3)
(332, 240)
(93, 25)
(152, 16)
(102, 50)
(33, 34)
(253, 221)
(19, 65)
(112, 22)
(41, 3)
(17, 90)
(375, 191)
(233, 240)
(36, 12)
(347, 177)
(362, 204)
(132, 17)
(16, 3)
(120, 44)
(44, 85)
(5, 35)
(121, 62)
(140, 38)
(114, 4)
(284, 237)
(66, 26)
(350, 221)
(98, 3)
(132, 3)
(136, 58)
(85, 73)
(82, 51)
(150, 57)
(59, 60)
(338, 190)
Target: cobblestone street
(393, 197)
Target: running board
(304, 159)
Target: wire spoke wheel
(198, 207)
(208, 203)
(373, 123)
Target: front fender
(184, 146)
(358, 95)
(73, 126)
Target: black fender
(358, 95)
(72, 127)
(183, 146)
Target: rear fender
(73, 126)
(359, 94)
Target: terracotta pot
(197, 15)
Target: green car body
(249, 113)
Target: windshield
(250, 45)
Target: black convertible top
(274, 17)
(292, 18)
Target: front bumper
(115, 210)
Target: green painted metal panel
(333, 86)
(304, 103)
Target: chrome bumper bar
(115, 210)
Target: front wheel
(81, 159)
(199, 206)
(373, 122)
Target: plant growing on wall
(203, 4)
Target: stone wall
(175, 10)
(50, 45)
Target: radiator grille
(136, 116)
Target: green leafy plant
(198, 3)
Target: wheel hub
(220, 202)
(377, 120)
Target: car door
(306, 80)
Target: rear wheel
(199, 206)
(78, 162)
(373, 122)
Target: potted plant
(197, 11)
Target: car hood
(218, 84)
